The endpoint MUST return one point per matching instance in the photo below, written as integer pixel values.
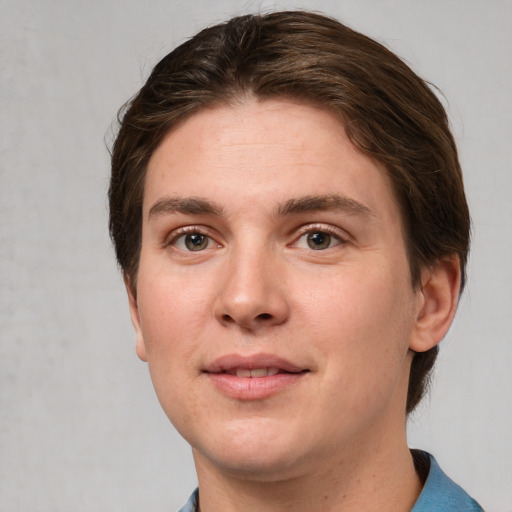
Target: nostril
(250, 317)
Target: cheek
(362, 322)
(172, 310)
(171, 318)
(359, 298)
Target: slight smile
(253, 378)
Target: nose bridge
(252, 294)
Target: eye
(318, 240)
(193, 241)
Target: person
(288, 211)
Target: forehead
(263, 153)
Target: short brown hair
(388, 112)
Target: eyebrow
(187, 206)
(200, 206)
(324, 203)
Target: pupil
(196, 242)
(319, 240)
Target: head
(387, 111)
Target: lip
(222, 374)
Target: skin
(332, 436)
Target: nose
(252, 293)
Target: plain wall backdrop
(80, 426)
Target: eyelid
(340, 234)
(336, 232)
(175, 234)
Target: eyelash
(181, 233)
(324, 229)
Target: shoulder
(191, 505)
(441, 494)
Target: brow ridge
(184, 205)
(323, 203)
(201, 206)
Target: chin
(257, 466)
(263, 454)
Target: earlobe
(140, 346)
(437, 303)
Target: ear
(134, 315)
(437, 303)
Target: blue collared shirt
(439, 494)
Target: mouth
(255, 366)
(256, 373)
(254, 377)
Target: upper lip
(251, 362)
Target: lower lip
(253, 388)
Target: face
(274, 299)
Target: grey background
(80, 427)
